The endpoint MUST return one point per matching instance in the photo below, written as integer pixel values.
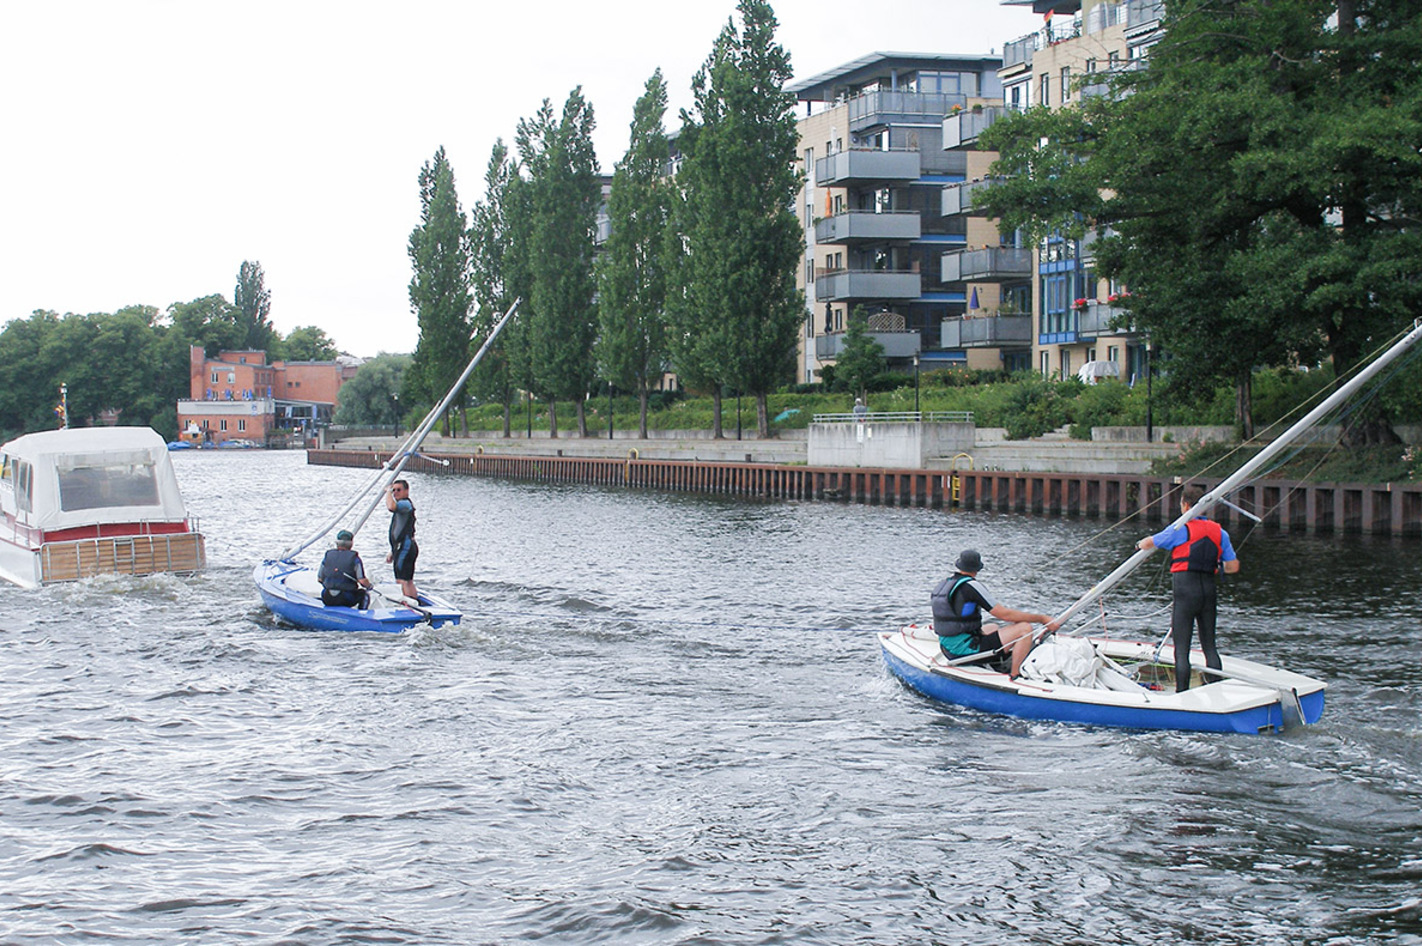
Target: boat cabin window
(106, 487)
(19, 476)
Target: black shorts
(342, 598)
(404, 562)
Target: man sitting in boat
(1199, 549)
(959, 603)
(342, 575)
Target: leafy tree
(861, 360)
(254, 306)
(210, 321)
(439, 291)
(565, 193)
(309, 343)
(743, 242)
(1254, 218)
(631, 272)
(372, 396)
(491, 262)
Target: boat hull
(1233, 706)
(293, 594)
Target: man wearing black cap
(342, 575)
(959, 603)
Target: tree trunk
(508, 419)
(642, 412)
(762, 416)
(1244, 405)
(552, 420)
(717, 433)
(582, 418)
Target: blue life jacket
(950, 619)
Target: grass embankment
(1026, 405)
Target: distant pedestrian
(403, 548)
(859, 409)
(1200, 548)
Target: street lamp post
(396, 399)
(915, 386)
(609, 409)
(530, 415)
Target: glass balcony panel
(850, 284)
(885, 107)
(964, 127)
(993, 331)
(865, 226)
(866, 164)
(896, 344)
(990, 264)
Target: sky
(151, 146)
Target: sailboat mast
(1229, 483)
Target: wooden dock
(1363, 508)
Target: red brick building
(238, 396)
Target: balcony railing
(884, 107)
(1097, 317)
(870, 284)
(958, 198)
(1019, 51)
(963, 128)
(898, 417)
(990, 264)
(866, 164)
(865, 226)
(896, 344)
(996, 331)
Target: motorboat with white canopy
(84, 501)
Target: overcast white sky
(150, 146)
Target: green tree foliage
(254, 307)
(308, 343)
(1255, 176)
(439, 290)
(631, 272)
(491, 263)
(742, 240)
(210, 321)
(861, 360)
(372, 396)
(563, 195)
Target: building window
(241, 423)
(1046, 364)
(214, 376)
(1066, 84)
(1113, 354)
(1044, 92)
(1014, 97)
(1066, 364)
(222, 424)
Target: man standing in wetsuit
(403, 549)
(959, 603)
(1198, 549)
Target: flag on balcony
(973, 302)
(1047, 17)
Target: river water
(665, 720)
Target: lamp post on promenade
(915, 386)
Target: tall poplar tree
(631, 272)
(491, 261)
(439, 291)
(254, 308)
(743, 242)
(564, 194)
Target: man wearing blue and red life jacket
(1198, 549)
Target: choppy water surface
(665, 720)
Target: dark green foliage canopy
(439, 290)
(372, 396)
(739, 313)
(632, 270)
(862, 358)
(1260, 179)
(254, 306)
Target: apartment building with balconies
(874, 204)
(1082, 43)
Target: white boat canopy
(60, 479)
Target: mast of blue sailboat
(408, 448)
(1231, 482)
